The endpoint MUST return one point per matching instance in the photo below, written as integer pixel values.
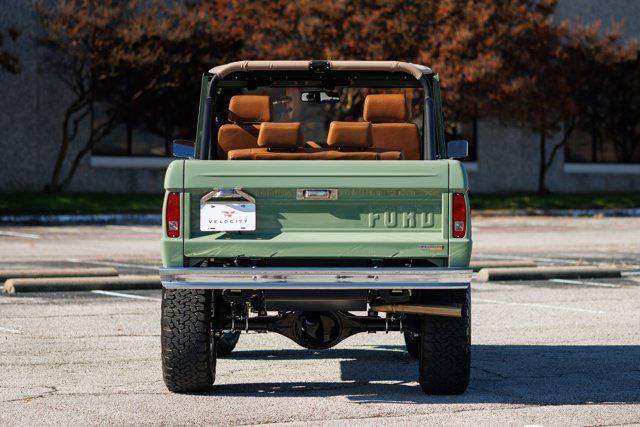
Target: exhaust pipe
(433, 310)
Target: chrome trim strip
(319, 286)
(216, 194)
(315, 278)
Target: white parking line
(153, 230)
(18, 234)
(119, 294)
(114, 264)
(11, 331)
(579, 282)
(554, 307)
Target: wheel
(445, 356)
(412, 341)
(188, 350)
(226, 343)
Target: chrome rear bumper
(315, 278)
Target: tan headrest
(385, 108)
(349, 134)
(280, 135)
(249, 108)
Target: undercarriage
(321, 319)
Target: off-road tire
(445, 356)
(226, 343)
(188, 349)
(413, 344)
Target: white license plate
(228, 217)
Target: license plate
(227, 217)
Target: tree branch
(567, 133)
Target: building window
(464, 130)
(599, 146)
(145, 128)
(124, 141)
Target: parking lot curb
(60, 284)
(56, 272)
(479, 265)
(545, 273)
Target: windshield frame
(210, 119)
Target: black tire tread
(188, 362)
(445, 357)
(413, 344)
(226, 343)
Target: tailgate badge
(432, 247)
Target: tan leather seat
(382, 154)
(284, 141)
(265, 154)
(349, 135)
(388, 115)
(272, 137)
(246, 112)
(281, 136)
(318, 155)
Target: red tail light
(459, 221)
(173, 215)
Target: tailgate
(383, 209)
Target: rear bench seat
(353, 139)
(284, 141)
(246, 112)
(390, 129)
(273, 138)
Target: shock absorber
(240, 312)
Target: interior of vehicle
(311, 123)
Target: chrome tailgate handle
(224, 194)
(317, 194)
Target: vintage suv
(316, 190)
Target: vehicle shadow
(525, 374)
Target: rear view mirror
(457, 149)
(320, 97)
(184, 148)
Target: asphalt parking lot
(544, 352)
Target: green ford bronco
(319, 201)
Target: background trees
(82, 45)
(131, 63)
(137, 63)
(8, 60)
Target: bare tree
(9, 61)
(80, 37)
(135, 62)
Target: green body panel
(317, 245)
(384, 209)
(399, 174)
(174, 178)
